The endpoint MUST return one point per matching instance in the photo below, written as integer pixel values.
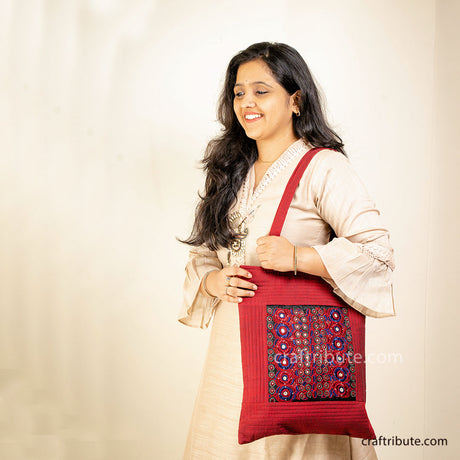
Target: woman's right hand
(227, 284)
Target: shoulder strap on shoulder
(288, 194)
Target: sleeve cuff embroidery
(378, 252)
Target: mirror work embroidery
(310, 354)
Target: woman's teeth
(252, 117)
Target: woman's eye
(261, 92)
(239, 94)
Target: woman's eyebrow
(255, 83)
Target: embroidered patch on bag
(310, 354)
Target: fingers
(237, 271)
(264, 246)
(240, 292)
(263, 240)
(235, 286)
(240, 283)
(235, 295)
(274, 253)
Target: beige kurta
(359, 260)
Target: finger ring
(228, 280)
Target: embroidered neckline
(279, 165)
(247, 208)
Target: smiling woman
(264, 109)
(272, 116)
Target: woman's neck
(270, 150)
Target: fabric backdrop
(105, 109)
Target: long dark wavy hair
(229, 156)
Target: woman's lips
(252, 117)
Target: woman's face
(263, 107)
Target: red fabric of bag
(303, 352)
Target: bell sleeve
(360, 259)
(197, 309)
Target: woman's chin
(253, 135)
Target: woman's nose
(248, 101)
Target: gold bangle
(203, 283)
(295, 260)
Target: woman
(272, 115)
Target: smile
(252, 116)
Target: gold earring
(297, 113)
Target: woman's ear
(295, 98)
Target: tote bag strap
(288, 194)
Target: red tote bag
(302, 350)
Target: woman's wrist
(309, 261)
(203, 286)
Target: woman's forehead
(254, 72)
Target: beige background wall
(106, 107)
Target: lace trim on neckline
(246, 210)
(293, 151)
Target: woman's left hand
(275, 253)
